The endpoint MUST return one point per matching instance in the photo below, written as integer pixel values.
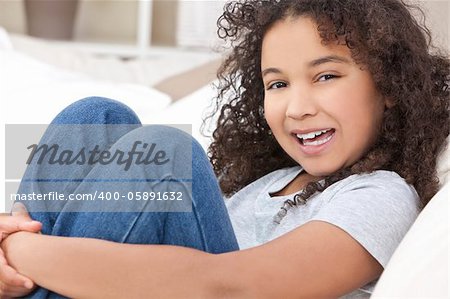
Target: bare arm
(314, 260)
(90, 268)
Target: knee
(174, 138)
(174, 142)
(163, 134)
(186, 150)
(96, 110)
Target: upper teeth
(311, 134)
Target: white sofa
(420, 264)
(418, 268)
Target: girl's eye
(327, 77)
(277, 85)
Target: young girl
(332, 116)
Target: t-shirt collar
(284, 179)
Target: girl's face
(324, 111)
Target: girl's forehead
(299, 39)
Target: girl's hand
(13, 284)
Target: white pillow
(191, 109)
(5, 41)
(149, 71)
(34, 92)
(443, 164)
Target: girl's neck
(297, 184)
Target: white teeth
(317, 142)
(311, 135)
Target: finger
(7, 291)
(9, 276)
(20, 221)
(30, 226)
(15, 291)
(3, 235)
(2, 258)
(11, 224)
(19, 209)
(27, 283)
(12, 279)
(3, 261)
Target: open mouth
(315, 138)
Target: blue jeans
(207, 227)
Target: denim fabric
(207, 227)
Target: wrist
(14, 244)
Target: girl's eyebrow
(326, 59)
(270, 70)
(313, 63)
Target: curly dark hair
(383, 36)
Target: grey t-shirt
(376, 209)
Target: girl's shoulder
(382, 180)
(376, 209)
(379, 193)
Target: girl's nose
(300, 105)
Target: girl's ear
(389, 103)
